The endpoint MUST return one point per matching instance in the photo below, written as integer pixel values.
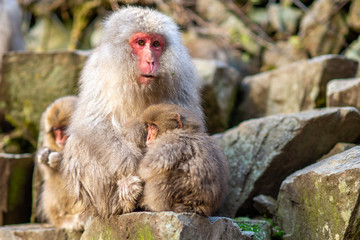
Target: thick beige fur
(97, 156)
(184, 170)
(56, 205)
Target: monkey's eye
(141, 42)
(62, 128)
(156, 44)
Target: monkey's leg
(129, 190)
(156, 194)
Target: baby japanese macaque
(56, 205)
(183, 169)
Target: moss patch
(143, 232)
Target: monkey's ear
(178, 119)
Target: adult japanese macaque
(55, 204)
(184, 170)
(140, 61)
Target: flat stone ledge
(162, 225)
(37, 232)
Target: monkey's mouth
(147, 76)
(146, 79)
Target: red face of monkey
(152, 130)
(148, 48)
(60, 136)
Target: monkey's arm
(93, 161)
(135, 132)
(166, 153)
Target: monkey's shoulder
(178, 142)
(179, 136)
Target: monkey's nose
(151, 64)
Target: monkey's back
(184, 172)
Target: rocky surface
(323, 28)
(42, 78)
(162, 225)
(265, 205)
(296, 87)
(343, 92)
(322, 200)
(263, 152)
(220, 84)
(37, 232)
(338, 148)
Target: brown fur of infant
(183, 169)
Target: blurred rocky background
(281, 92)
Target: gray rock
(295, 87)
(266, 205)
(323, 28)
(219, 89)
(322, 201)
(162, 225)
(37, 232)
(343, 92)
(15, 187)
(263, 152)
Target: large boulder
(162, 225)
(343, 92)
(292, 88)
(263, 152)
(322, 201)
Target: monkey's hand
(54, 160)
(130, 189)
(43, 155)
(49, 159)
(135, 132)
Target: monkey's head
(150, 38)
(57, 118)
(160, 118)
